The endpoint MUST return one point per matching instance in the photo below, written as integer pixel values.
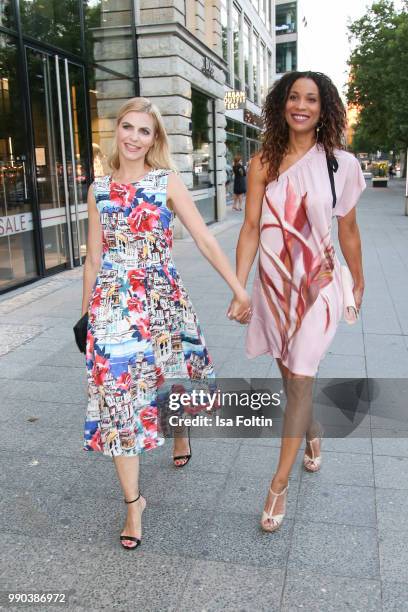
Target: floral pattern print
(143, 331)
(297, 294)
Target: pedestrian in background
(142, 327)
(297, 291)
(239, 172)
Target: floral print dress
(142, 330)
(297, 292)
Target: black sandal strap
(131, 538)
(181, 457)
(133, 500)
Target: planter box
(380, 181)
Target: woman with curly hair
(297, 291)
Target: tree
(378, 84)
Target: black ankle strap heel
(130, 538)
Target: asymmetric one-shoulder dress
(142, 330)
(297, 291)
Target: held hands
(240, 308)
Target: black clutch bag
(80, 331)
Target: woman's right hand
(240, 308)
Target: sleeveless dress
(297, 290)
(142, 328)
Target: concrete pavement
(344, 543)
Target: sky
(323, 44)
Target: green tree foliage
(378, 83)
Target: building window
(286, 59)
(262, 10)
(286, 18)
(203, 137)
(262, 69)
(236, 41)
(255, 65)
(224, 37)
(270, 71)
(255, 4)
(246, 56)
(17, 259)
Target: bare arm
(350, 244)
(248, 241)
(94, 250)
(188, 214)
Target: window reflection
(53, 21)
(108, 34)
(203, 151)
(286, 18)
(6, 14)
(17, 260)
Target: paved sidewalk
(344, 543)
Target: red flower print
(143, 218)
(134, 304)
(122, 195)
(136, 278)
(124, 381)
(95, 441)
(96, 299)
(100, 369)
(148, 418)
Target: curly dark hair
(276, 135)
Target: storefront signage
(253, 119)
(15, 224)
(208, 67)
(234, 99)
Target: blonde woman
(141, 323)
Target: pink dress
(297, 296)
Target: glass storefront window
(203, 137)
(53, 21)
(236, 40)
(17, 255)
(246, 56)
(286, 18)
(6, 14)
(108, 35)
(286, 57)
(107, 92)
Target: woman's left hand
(240, 308)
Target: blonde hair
(158, 155)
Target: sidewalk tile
(247, 494)
(186, 490)
(338, 550)
(238, 538)
(393, 546)
(347, 344)
(342, 366)
(319, 593)
(219, 587)
(391, 446)
(353, 443)
(395, 596)
(262, 460)
(392, 509)
(344, 469)
(387, 356)
(334, 503)
(391, 470)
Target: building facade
(286, 36)
(248, 47)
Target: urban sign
(234, 99)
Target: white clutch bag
(350, 311)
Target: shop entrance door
(62, 161)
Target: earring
(319, 127)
